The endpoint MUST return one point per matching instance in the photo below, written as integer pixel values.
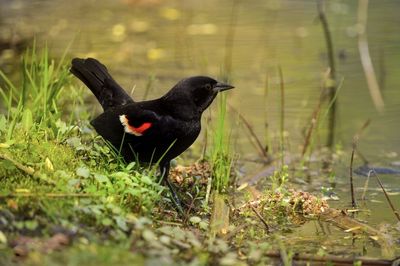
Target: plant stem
(366, 61)
(353, 200)
(266, 90)
(260, 217)
(396, 213)
(332, 84)
(355, 140)
(262, 152)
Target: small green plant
(280, 178)
(220, 156)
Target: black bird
(148, 131)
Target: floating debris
(295, 202)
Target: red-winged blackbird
(148, 131)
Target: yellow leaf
(22, 190)
(3, 238)
(243, 186)
(4, 145)
(48, 164)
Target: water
(174, 39)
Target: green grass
(34, 101)
(81, 182)
(53, 168)
(221, 158)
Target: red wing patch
(142, 128)
(137, 131)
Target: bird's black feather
(96, 77)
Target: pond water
(169, 40)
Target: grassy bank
(49, 153)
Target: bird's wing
(134, 123)
(96, 77)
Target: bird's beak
(222, 87)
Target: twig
(315, 115)
(249, 127)
(26, 169)
(48, 195)
(260, 217)
(396, 213)
(366, 186)
(361, 156)
(353, 200)
(366, 61)
(266, 125)
(331, 61)
(314, 120)
(169, 223)
(328, 38)
(355, 140)
(253, 142)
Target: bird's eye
(208, 86)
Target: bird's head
(196, 93)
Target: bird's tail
(96, 77)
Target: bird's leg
(164, 168)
